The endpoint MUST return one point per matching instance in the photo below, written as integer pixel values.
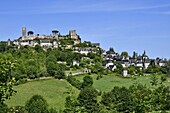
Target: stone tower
(24, 32)
(9, 42)
(73, 34)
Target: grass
(52, 90)
(109, 81)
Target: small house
(124, 73)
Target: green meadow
(107, 82)
(54, 91)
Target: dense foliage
(35, 62)
(6, 79)
(37, 104)
(137, 98)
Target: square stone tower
(73, 34)
(24, 32)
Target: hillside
(52, 90)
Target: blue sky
(125, 25)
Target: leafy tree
(38, 48)
(141, 98)
(91, 55)
(3, 108)
(74, 82)
(17, 109)
(163, 78)
(52, 110)
(87, 81)
(60, 71)
(111, 49)
(160, 100)
(59, 74)
(131, 70)
(124, 54)
(70, 105)
(3, 46)
(6, 79)
(37, 104)
(154, 80)
(118, 69)
(51, 58)
(51, 67)
(119, 99)
(135, 55)
(32, 72)
(87, 100)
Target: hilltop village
(72, 41)
(79, 76)
(55, 40)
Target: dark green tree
(17, 109)
(87, 81)
(154, 80)
(60, 71)
(37, 104)
(118, 100)
(6, 79)
(38, 49)
(160, 100)
(124, 54)
(87, 100)
(3, 108)
(70, 105)
(163, 78)
(51, 68)
(141, 98)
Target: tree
(70, 105)
(87, 81)
(6, 79)
(124, 54)
(55, 32)
(3, 46)
(38, 48)
(51, 67)
(87, 100)
(17, 109)
(59, 74)
(163, 78)
(60, 71)
(37, 104)
(3, 108)
(135, 55)
(141, 98)
(160, 100)
(154, 80)
(111, 51)
(119, 99)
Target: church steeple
(144, 53)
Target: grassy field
(52, 90)
(109, 81)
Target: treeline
(36, 104)
(35, 62)
(137, 98)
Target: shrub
(3, 108)
(74, 82)
(17, 109)
(37, 104)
